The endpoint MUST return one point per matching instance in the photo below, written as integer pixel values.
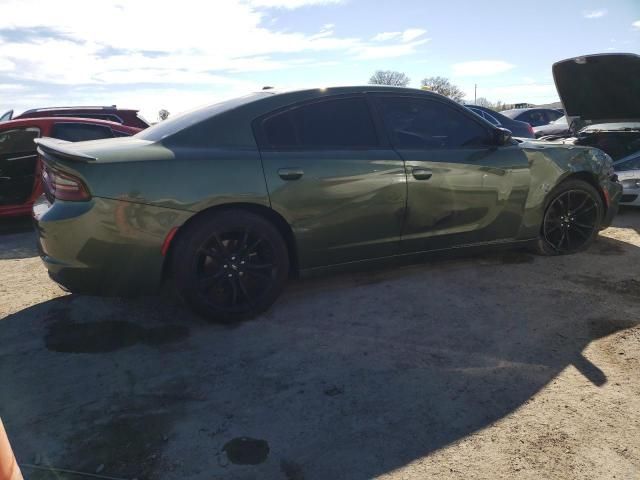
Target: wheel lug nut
(226, 266)
(230, 275)
(240, 273)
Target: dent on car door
(342, 191)
(461, 189)
(18, 159)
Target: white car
(628, 170)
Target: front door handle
(290, 173)
(421, 173)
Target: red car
(19, 167)
(124, 116)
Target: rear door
(461, 189)
(339, 185)
(18, 160)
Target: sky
(178, 55)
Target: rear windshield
(510, 113)
(173, 125)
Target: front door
(18, 160)
(342, 190)
(461, 189)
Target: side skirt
(416, 257)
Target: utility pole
(475, 93)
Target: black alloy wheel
(235, 269)
(230, 265)
(571, 220)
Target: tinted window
(535, 118)
(79, 132)
(340, 123)
(116, 133)
(553, 115)
(631, 164)
(19, 140)
(419, 123)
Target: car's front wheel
(571, 220)
(230, 265)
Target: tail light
(63, 186)
(531, 130)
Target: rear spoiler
(59, 148)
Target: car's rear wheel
(230, 265)
(571, 220)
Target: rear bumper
(103, 246)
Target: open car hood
(599, 88)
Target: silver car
(628, 170)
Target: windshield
(6, 116)
(175, 124)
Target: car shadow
(17, 238)
(349, 376)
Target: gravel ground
(495, 366)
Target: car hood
(599, 88)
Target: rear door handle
(421, 173)
(290, 173)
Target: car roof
(39, 121)
(107, 108)
(258, 104)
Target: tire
(572, 217)
(230, 265)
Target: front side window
(329, 124)
(19, 140)
(415, 123)
(80, 132)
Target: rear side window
(80, 132)
(553, 115)
(416, 123)
(116, 133)
(338, 123)
(535, 118)
(19, 140)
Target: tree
(483, 102)
(389, 77)
(443, 86)
(163, 114)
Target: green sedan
(231, 200)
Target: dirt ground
(496, 366)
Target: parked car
(557, 128)
(517, 128)
(123, 116)
(601, 95)
(19, 179)
(628, 170)
(533, 116)
(230, 200)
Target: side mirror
(502, 136)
